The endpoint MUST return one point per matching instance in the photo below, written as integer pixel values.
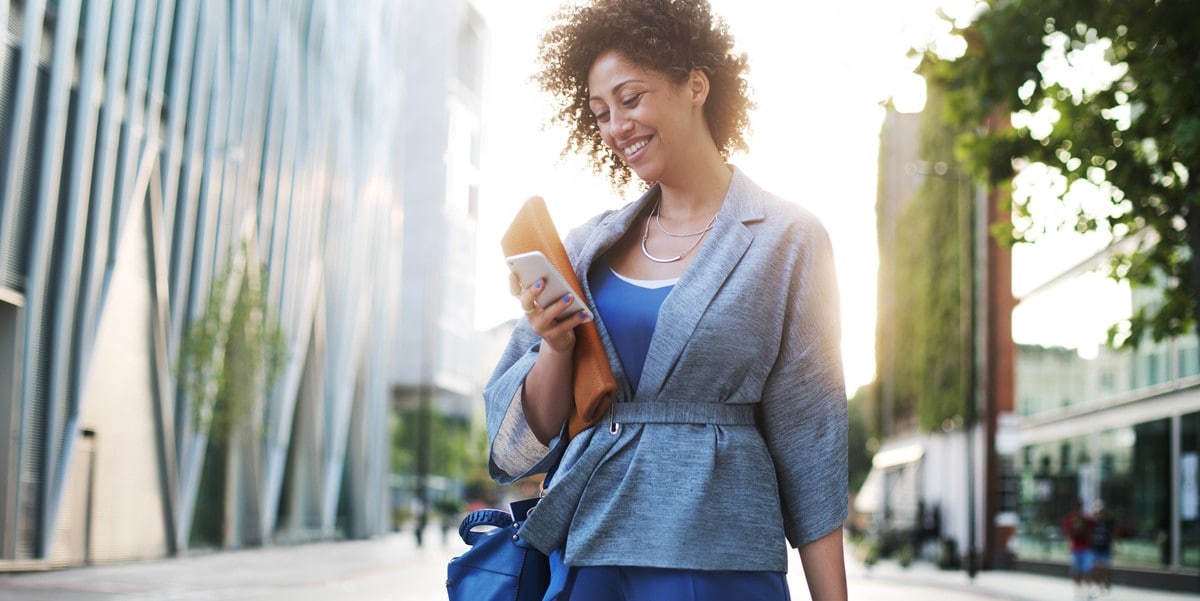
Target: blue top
(629, 309)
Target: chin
(646, 174)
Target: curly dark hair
(672, 37)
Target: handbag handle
(496, 518)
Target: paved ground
(393, 568)
(927, 583)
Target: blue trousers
(627, 583)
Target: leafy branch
(231, 354)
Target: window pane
(1189, 356)
(1140, 500)
(1189, 494)
(1127, 468)
(1048, 484)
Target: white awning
(898, 455)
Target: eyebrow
(617, 88)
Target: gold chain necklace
(658, 219)
(646, 235)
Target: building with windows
(1115, 427)
(198, 202)
(435, 347)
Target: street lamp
(967, 294)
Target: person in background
(1104, 530)
(718, 307)
(1078, 527)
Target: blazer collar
(743, 204)
(689, 299)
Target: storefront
(1144, 475)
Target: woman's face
(648, 120)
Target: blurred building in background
(1119, 428)
(197, 284)
(442, 105)
(1048, 412)
(940, 363)
(436, 352)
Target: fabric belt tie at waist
(716, 414)
(547, 527)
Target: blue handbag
(500, 565)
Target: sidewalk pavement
(393, 568)
(1008, 585)
(387, 568)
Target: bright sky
(818, 71)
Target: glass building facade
(161, 163)
(1117, 427)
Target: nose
(621, 125)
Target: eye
(599, 111)
(632, 101)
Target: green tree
(458, 445)
(1107, 99)
(231, 355)
(229, 360)
(858, 437)
(922, 323)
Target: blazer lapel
(607, 233)
(602, 238)
(689, 300)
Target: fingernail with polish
(538, 284)
(583, 315)
(567, 298)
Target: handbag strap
(497, 518)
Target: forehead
(612, 69)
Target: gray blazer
(737, 435)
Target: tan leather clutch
(595, 386)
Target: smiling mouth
(636, 146)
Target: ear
(697, 86)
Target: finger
(514, 284)
(557, 310)
(535, 289)
(528, 298)
(561, 334)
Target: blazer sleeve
(514, 452)
(804, 417)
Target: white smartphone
(533, 266)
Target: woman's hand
(548, 394)
(556, 330)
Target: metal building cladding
(152, 153)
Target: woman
(718, 308)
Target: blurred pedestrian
(1104, 531)
(1078, 527)
(718, 306)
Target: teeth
(634, 148)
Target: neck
(700, 192)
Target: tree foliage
(229, 360)
(1105, 97)
(231, 355)
(458, 446)
(859, 436)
